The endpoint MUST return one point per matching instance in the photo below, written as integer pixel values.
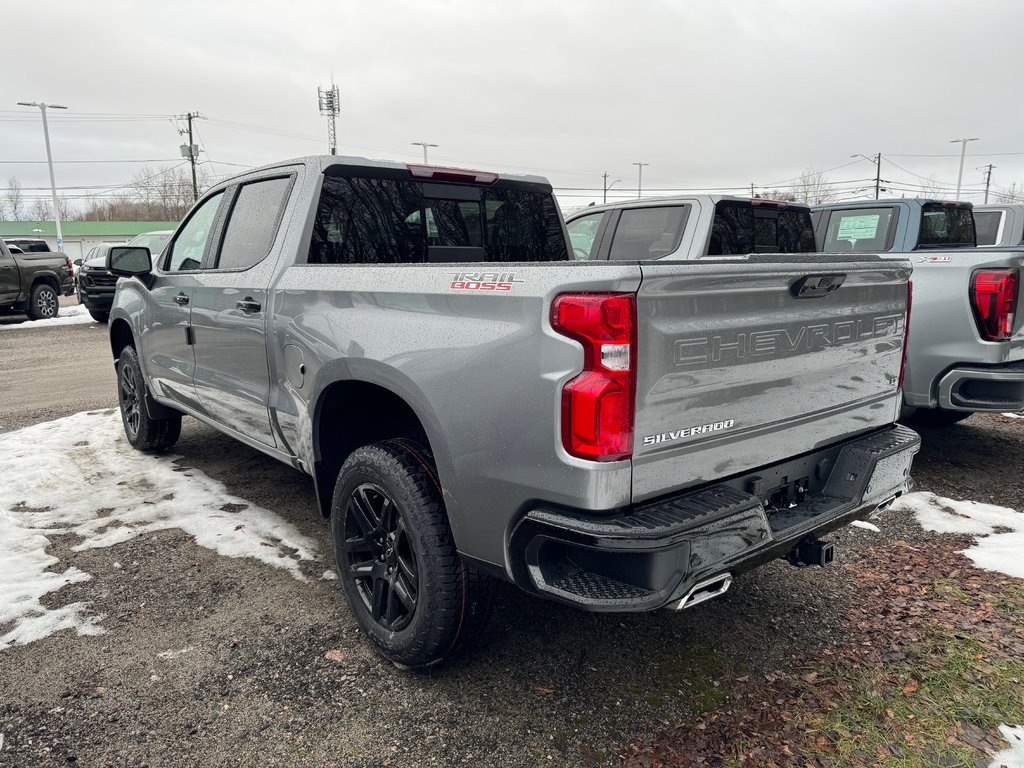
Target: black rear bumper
(653, 554)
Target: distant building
(81, 236)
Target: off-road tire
(99, 315)
(143, 433)
(452, 599)
(43, 303)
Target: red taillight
(597, 405)
(994, 299)
(452, 174)
(906, 331)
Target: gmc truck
(966, 350)
(473, 404)
(33, 282)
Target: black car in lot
(96, 283)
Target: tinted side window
(583, 236)
(648, 233)
(986, 223)
(252, 227)
(860, 229)
(190, 244)
(946, 225)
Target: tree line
(161, 194)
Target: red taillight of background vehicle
(906, 331)
(597, 405)
(994, 300)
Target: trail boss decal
(484, 281)
(702, 429)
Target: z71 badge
(484, 281)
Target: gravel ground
(253, 684)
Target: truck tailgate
(736, 371)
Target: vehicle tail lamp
(906, 332)
(994, 300)
(597, 405)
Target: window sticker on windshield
(858, 227)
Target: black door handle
(181, 299)
(248, 305)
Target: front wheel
(144, 433)
(411, 593)
(43, 302)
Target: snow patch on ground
(74, 315)
(79, 476)
(865, 525)
(1013, 415)
(1000, 530)
(1012, 756)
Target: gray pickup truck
(33, 282)
(471, 403)
(966, 349)
(999, 224)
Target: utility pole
(49, 163)
(877, 160)
(607, 186)
(423, 144)
(963, 152)
(752, 195)
(190, 151)
(640, 178)
(330, 106)
(988, 179)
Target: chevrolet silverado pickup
(33, 282)
(966, 348)
(472, 403)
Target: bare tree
(814, 188)
(931, 188)
(15, 199)
(40, 210)
(1013, 194)
(67, 209)
(164, 194)
(776, 194)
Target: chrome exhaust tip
(705, 590)
(883, 506)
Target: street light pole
(423, 144)
(49, 163)
(607, 186)
(640, 178)
(963, 153)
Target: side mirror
(126, 261)
(78, 262)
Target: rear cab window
(860, 229)
(988, 226)
(743, 226)
(946, 226)
(388, 217)
(648, 233)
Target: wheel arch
(350, 413)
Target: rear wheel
(43, 302)
(144, 433)
(411, 593)
(99, 315)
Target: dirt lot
(791, 667)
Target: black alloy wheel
(380, 558)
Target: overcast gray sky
(711, 94)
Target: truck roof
(889, 201)
(713, 199)
(322, 162)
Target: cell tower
(330, 105)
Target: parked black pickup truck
(33, 282)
